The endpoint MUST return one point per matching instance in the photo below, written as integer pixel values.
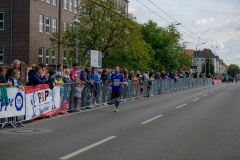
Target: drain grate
(25, 131)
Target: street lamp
(77, 22)
(196, 53)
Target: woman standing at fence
(50, 80)
(14, 78)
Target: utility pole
(209, 63)
(60, 32)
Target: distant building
(33, 23)
(201, 56)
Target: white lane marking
(151, 119)
(205, 95)
(212, 92)
(87, 148)
(196, 99)
(217, 90)
(181, 106)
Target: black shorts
(116, 94)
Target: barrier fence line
(40, 101)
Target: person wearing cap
(97, 79)
(50, 80)
(74, 74)
(60, 84)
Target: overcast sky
(215, 21)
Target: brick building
(33, 22)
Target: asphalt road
(199, 123)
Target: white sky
(215, 21)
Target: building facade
(27, 25)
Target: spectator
(16, 65)
(138, 74)
(104, 77)
(86, 77)
(14, 79)
(43, 66)
(32, 70)
(151, 73)
(74, 74)
(163, 74)
(135, 78)
(97, 80)
(209, 75)
(66, 78)
(60, 84)
(130, 76)
(50, 80)
(77, 96)
(140, 83)
(166, 76)
(58, 71)
(157, 75)
(200, 75)
(34, 79)
(3, 82)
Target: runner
(117, 81)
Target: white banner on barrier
(16, 105)
(41, 101)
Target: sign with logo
(16, 105)
(96, 58)
(41, 101)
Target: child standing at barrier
(77, 96)
(60, 84)
(3, 82)
(14, 78)
(117, 81)
(50, 80)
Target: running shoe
(116, 110)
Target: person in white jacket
(77, 96)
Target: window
(75, 6)
(54, 26)
(53, 57)
(65, 27)
(1, 54)
(40, 23)
(65, 4)
(1, 21)
(126, 7)
(47, 56)
(48, 1)
(40, 55)
(55, 2)
(47, 25)
(70, 5)
(197, 59)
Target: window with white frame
(1, 54)
(53, 57)
(65, 4)
(126, 8)
(54, 26)
(55, 2)
(48, 1)
(1, 21)
(47, 25)
(40, 55)
(65, 27)
(70, 5)
(40, 23)
(75, 6)
(47, 56)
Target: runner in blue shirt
(116, 81)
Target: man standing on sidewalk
(117, 81)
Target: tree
(207, 67)
(233, 70)
(167, 47)
(105, 28)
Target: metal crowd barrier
(80, 96)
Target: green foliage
(207, 67)
(104, 28)
(233, 70)
(166, 44)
